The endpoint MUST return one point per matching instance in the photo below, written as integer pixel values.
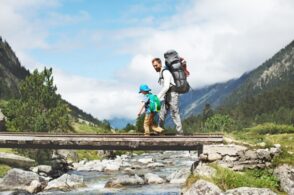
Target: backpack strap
(161, 75)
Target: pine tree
(40, 108)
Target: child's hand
(139, 114)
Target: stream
(171, 160)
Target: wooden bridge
(108, 141)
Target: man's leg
(175, 112)
(163, 112)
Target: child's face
(144, 92)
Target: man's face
(156, 66)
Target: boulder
(250, 155)
(36, 186)
(264, 154)
(129, 171)
(66, 183)
(249, 191)
(155, 164)
(17, 179)
(179, 176)
(67, 154)
(202, 187)
(145, 160)
(111, 165)
(94, 165)
(285, 174)
(59, 166)
(223, 150)
(213, 157)
(16, 161)
(42, 169)
(204, 170)
(151, 178)
(124, 180)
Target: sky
(101, 51)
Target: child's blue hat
(144, 87)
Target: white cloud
(26, 25)
(102, 99)
(219, 39)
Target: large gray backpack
(174, 65)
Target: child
(151, 105)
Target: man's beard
(158, 69)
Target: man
(168, 95)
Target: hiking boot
(157, 129)
(180, 133)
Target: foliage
(39, 109)
(129, 127)
(207, 113)
(140, 123)
(4, 169)
(193, 124)
(88, 154)
(273, 105)
(271, 128)
(228, 179)
(219, 122)
(286, 157)
(89, 128)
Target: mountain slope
(12, 73)
(274, 74)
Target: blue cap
(144, 87)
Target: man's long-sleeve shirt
(166, 82)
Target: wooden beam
(107, 142)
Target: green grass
(88, 154)
(3, 103)
(85, 128)
(7, 150)
(227, 179)
(271, 128)
(4, 169)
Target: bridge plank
(108, 142)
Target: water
(173, 161)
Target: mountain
(120, 123)
(274, 73)
(271, 81)
(194, 102)
(12, 73)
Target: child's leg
(154, 126)
(147, 124)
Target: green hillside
(12, 74)
(265, 95)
